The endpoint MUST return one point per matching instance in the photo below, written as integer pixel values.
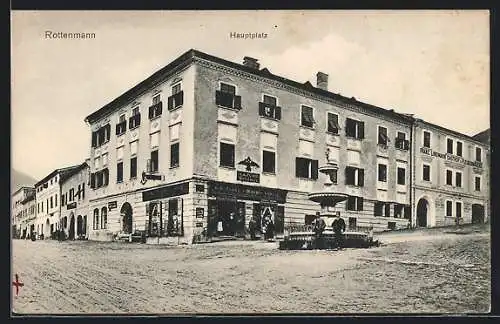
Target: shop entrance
(477, 214)
(226, 217)
(126, 218)
(71, 230)
(422, 209)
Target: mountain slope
(19, 179)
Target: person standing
(338, 226)
(270, 230)
(251, 228)
(319, 227)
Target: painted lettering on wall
(450, 157)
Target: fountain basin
(326, 198)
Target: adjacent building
(18, 212)
(74, 202)
(27, 221)
(48, 195)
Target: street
(435, 271)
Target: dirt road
(447, 273)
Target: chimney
(251, 62)
(322, 81)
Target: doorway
(422, 210)
(477, 214)
(126, 215)
(226, 217)
(71, 230)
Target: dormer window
(226, 97)
(269, 107)
(177, 98)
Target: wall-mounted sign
(71, 205)
(450, 157)
(112, 204)
(199, 224)
(200, 212)
(166, 191)
(248, 177)
(240, 191)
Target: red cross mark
(17, 284)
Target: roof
(450, 131)
(61, 171)
(68, 174)
(483, 136)
(188, 57)
(29, 197)
(22, 188)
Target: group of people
(268, 228)
(338, 226)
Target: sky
(434, 64)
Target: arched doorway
(71, 230)
(46, 234)
(84, 225)
(477, 214)
(126, 218)
(79, 225)
(422, 211)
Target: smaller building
(28, 215)
(74, 202)
(17, 209)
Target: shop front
(230, 207)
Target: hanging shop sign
(239, 191)
(112, 204)
(166, 192)
(450, 157)
(71, 205)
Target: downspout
(412, 173)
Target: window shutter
(108, 132)
(151, 110)
(361, 130)
(406, 144)
(237, 102)
(277, 113)
(94, 139)
(92, 180)
(170, 102)
(262, 109)
(359, 203)
(361, 177)
(314, 169)
(117, 129)
(137, 119)
(106, 176)
(346, 175)
(297, 169)
(218, 98)
(180, 99)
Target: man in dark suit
(338, 226)
(319, 227)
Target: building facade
(27, 221)
(48, 195)
(204, 144)
(18, 213)
(74, 202)
(451, 177)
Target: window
(71, 194)
(83, 190)
(449, 208)
(449, 146)
(332, 123)
(135, 120)
(119, 172)
(401, 176)
(269, 108)
(307, 116)
(104, 218)
(354, 176)
(354, 203)
(382, 172)
(268, 162)
(101, 136)
(449, 177)
(383, 139)
(459, 148)
(176, 88)
(354, 128)
(154, 139)
(478, 154)
(133, 168)
(121, 127)
(153, 163)
(42, 206)
(227, 155)
(427, 139)
(119, 153)
(477, 183)
(426, 172)
(306, 168)
(55, 200)
(401, 142)
(174, 155)
(398, 210)
(133, 148)
(459, 209)
(177, 98)
(156, 109)
(458, 179)
(51, 202)
(226, 97)
(97, 163)
(104, 159)
(96, 219)
(79, 192)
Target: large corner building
(203, 144)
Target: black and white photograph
(250, 162)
